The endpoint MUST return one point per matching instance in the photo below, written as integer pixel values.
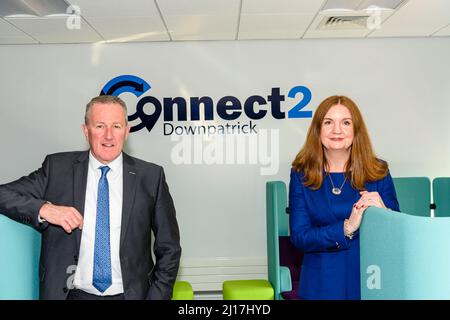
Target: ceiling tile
(184, 20)
(202, 27)
(201, 19)
(272, 26)
(341, 4)
(443, 32)
(386, 4)
(281, 6)
(55, 30)
(116, 8)
(199, 7)
(124, 20)
(11, 35)
(130, 29)
(282, 19)
(416, 18)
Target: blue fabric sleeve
(304, 234)
(388, 194)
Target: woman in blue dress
(334, 178)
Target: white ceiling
(184, 20)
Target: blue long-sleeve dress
(330, 268)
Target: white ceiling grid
(183, 20)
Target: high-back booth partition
(404, 256)
(19, 263)
(20, 247)
(283, 259)
(414, 195)
(441, 196)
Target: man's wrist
(40, 219)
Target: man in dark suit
(96, 211)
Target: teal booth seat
(414, 195)
(283, 259)
(19, 260)
(277, 225)
(441, 196)
(404, 256)
(20, 247)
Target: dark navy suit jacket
(147, 207)
(330, 268)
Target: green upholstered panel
(19, 262)
(277, 222)
(409, 254)
(182, 290)
(414, 195)
(441, 196)
(259, 289)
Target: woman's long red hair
(363, 163)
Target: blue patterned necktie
(102, 278)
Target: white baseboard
(208, 274)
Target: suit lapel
(129, 191)
(80, 170)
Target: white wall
(401, 85)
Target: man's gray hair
(105, 100)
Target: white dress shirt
(85, 267)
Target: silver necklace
(335, 190)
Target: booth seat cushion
(182, 290)
(259, 289)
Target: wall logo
(204, 109)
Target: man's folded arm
(22, 199)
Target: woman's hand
(370, 199)
(354, 221)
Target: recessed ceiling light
(341, 5)
(356, 5)
(382, 4)
(33, 8)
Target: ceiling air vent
(343, 23)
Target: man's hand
(67, 217)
